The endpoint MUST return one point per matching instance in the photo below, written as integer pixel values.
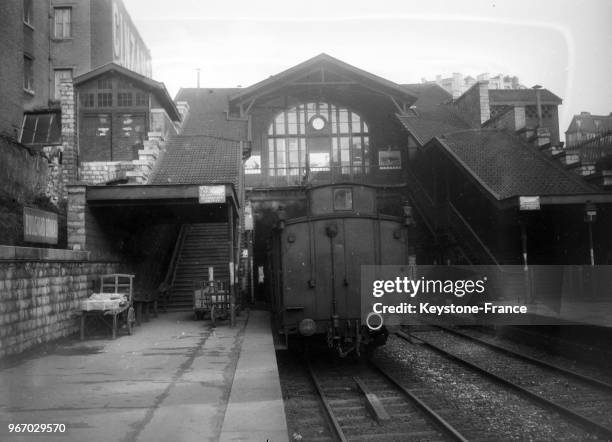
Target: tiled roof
(207, 113)
(429, 95)
(502, 96)
(426, 124)
(199, 160)
(586, 122)
(507, 167)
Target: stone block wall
(100, 172)
(39, 298)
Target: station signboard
(529, 202)
(39, 226)
(211, 194)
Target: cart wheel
(131, 320)
(212, 316)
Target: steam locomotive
(315, 265)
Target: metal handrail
(171, 273)
(455, 218)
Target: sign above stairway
(211, 194)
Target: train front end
(316, 266)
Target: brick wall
(75, 52)
(39, 298)
(11, 68)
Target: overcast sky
(565, 46)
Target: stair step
(204, 246)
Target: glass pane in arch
(300, 119)
(271, 157)
(292, 121)
(280, 124)
(281, 157)
(355, 123)
(334, 120)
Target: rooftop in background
(208, 113)
(585, 126)
(522, 96)
(458, 83)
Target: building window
(27, 12)
(28, 73)
(105, 99)
(252, 166)
(343, 199)
(59, 75)
(105, 84)
(124, 99)
(63, 19)
(318, 137)
(142, 99)
(43, 129)
(87, 100)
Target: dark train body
(315, 265)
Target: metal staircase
(199, 247)
(448, 226)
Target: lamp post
(590, 214)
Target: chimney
(198, 74)
(538, 94)
(483, 93)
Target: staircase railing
(171, 272)
(458, 225)
(423, 201)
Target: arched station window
(318, 137)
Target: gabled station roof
(157, 88)
(341, 73)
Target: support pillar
(232, 289)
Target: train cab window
(343, 199)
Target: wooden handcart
(211, 298)
(114, 305)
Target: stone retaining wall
(40, 292)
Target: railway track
(579, 398)
(364, 402)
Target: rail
(587, 423)
(171, 272)
(423, 201)
(458, 225)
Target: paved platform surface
(170, 381)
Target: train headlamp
(307, 327)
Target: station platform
(173, 379)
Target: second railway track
(581, 399)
